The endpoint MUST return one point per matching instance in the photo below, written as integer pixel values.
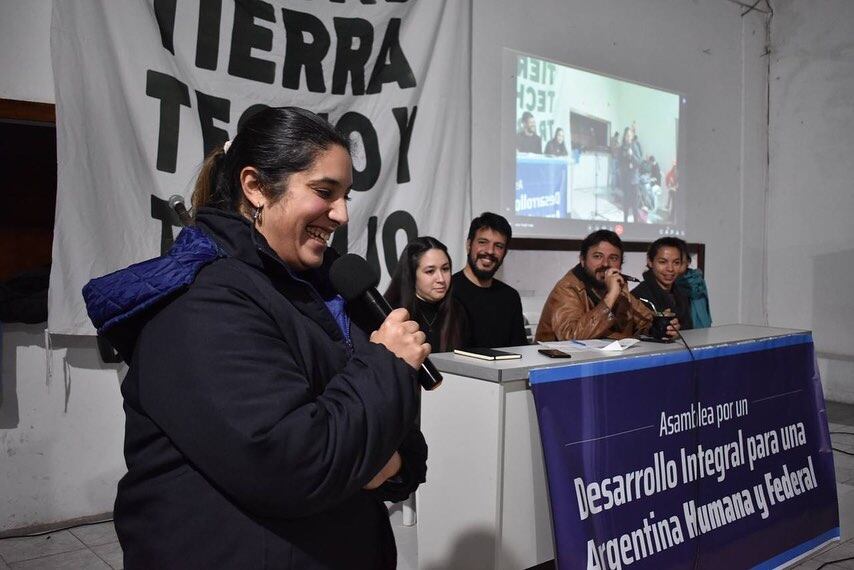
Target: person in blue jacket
(264, 428)
(694, 284)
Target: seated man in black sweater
(493, 308)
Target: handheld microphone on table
(176, 202)
(354, 280)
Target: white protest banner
(145, 88)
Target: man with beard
(592, 300)
(493, 308)
(527, 139)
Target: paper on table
(605, 345)
(618, 345)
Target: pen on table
(578, 343)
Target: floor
(96, 547)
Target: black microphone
(176, 202)
(629, 278)
(354, 279)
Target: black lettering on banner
(351, 61)
(397, 69)
(249, 113)
(404, 125)
(168, 218)
(371, 255)
(299, 53)
(172, 94)
(245, 35)
(211, 108)
(340, 243)
(339, 240)
(356, 122)
(164, 13)
(207, 42)
(396, 221)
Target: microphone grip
(377, 305)
(629, 278)
(428, 377)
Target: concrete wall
(61, 429)
(811, 198)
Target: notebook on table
(487, 353)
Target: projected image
(594, 148)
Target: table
(485, 503)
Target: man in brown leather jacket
(592, 300)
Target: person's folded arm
(413, 470)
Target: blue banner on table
(541, 183)
(661, 462)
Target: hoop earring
(256, 215)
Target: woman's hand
(390, 470)
(403, 337)
(673, 327)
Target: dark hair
(557, 130)
(527, 115)
(598, 237)
(493, 222)
(275, 141)
(401, 291)
(626, 131)
(668, 242)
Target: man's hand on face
(615, 284)
(613, 280)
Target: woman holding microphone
(264, 428)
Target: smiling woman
(665, 259)
(298, 223)
(255, 407)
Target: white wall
(811, 200)
(25, 51)
(704, 50)
(61, 433)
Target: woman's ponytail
(206, 182)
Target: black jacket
(251, 429)
(678, 302)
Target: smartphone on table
(554, 353)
